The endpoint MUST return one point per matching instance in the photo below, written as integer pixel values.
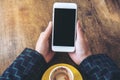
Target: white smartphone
(64, 27)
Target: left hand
(43, 45)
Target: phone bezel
(64, 6)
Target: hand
(81, 47)
(43, 45)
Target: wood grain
(21, 22)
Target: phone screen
(64, 27)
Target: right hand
(81, 47)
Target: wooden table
(21, 22)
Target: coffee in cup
(61, 73)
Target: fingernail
(50, 22)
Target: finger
(48, 30)
(80, 35)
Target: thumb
(48, 30)
(80, 35)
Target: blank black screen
(64, 27)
